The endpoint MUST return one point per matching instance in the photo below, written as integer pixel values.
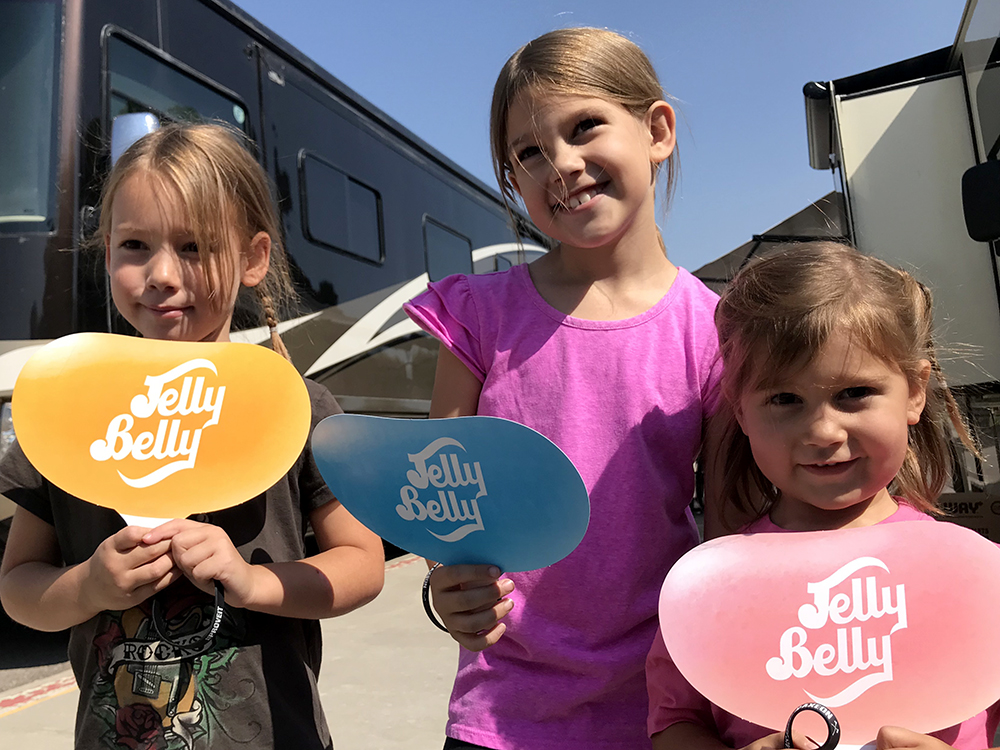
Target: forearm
(326, 585)
(46, 597)
(687, 736)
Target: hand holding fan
(889, 624)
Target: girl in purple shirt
(609, 350)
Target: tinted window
(339, 212)
(28, 53)
(141, 82)
(445, 250)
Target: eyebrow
(514, 144)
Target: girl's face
(833, 435)
(585, 166)
(158, 281)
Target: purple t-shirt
(672, 699)
(625, 400)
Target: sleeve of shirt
(671, 697)
(447, 311)
(711, 358)
(21, 483)
(711, 393)
(313, 490)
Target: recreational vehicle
(369, 211)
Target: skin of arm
(37, 590)
(347, 573)
(469, 598)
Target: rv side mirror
(127, 129)
(981, 201)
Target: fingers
(471, 623)
(169, 529)
(471, 601)
(468, 576)
(776, 741)
(155, 586)
(897, 738)
(481, 641)
(128, 538)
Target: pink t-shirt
(625, 400)
(672, 699)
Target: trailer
(913, 149)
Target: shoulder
(907, 512)
(763, 525)
(17, 471)
(480, 286)
(321, 401)
(697, 298)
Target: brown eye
(588, 123)
(527, 152)
(783, 399)
(857, 392)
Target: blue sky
(735, 70)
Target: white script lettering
(852, 651)
(446, 474)
(169, 439)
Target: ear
(513, 182)
(257, 260)
(737, 411)
(107, 251)
(662, 123)
(918, 393)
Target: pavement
(385, 682)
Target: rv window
(445, 250)
(29, 34)
(142, 82)
(338, 211)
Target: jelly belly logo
(164, 425)
(443, 488)
(851, 599)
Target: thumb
(896, 737)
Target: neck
(612, 282)
(795, 515)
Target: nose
(825, 427)
(163, 269)
(565, 160)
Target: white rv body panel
(903, 151)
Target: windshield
(28, 51)
(981, 57)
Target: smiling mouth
(830, 468)
(579, 199)
(167, 312)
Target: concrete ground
(385, 682)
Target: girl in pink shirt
(840, 419)
(609, 350)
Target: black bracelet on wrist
(425, 593)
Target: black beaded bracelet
(425, 592)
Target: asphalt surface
(384, 685)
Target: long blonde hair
(577, 61)
(776, 315)
(223, 190)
